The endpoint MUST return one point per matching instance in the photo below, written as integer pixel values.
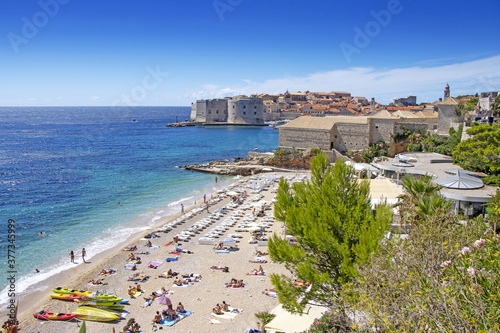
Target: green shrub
(331, 323)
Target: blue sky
(157, 52)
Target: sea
(90, 177)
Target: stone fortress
(239, 110)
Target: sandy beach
(198, 297)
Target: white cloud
(427, 83)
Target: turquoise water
(91, 177)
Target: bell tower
(446, 91)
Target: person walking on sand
(204, 198)
(216, 179)
(182, 208)
(84, 253)
(72, 256)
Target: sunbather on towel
(225, 307)
(179, 282)
(217, 309)
(222, 268)
(107, 271)
(259, 271)
(258, 261)
(235, 283)
(180, 308)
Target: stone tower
(446, 91)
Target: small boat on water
(94, 314)
(53, 316)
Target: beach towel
(176, 253)
(153, 246)
(171, 259)
(138, 293)
(180, 316)
(130, 266)
(182, 285)
(226, 315)
(155, 263)
(168, 244)
(222, 251)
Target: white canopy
(462, 180)
(291, 323)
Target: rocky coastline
(254, 163)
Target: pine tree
(336, 230)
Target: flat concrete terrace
(438, 166)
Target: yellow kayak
(94, 302)
(94, 314)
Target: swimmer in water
(41, 233)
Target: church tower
(446, 91)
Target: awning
(290, 323)
(462, 180)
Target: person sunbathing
(169, 314)
(148, 244)
(225, 307)
(237, 284)
(158, 318)
(106, 271)
(179, 282)
(180, 308)
(258, 261)
(131, 291)
(95, 281)
(133, 257)
(256, 272)
(260, 253)
(217, 309)
(220, 246)
(222, 268)
(164, 291)
(138, 287)
(270, 292)
(131, 248)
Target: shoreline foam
(35, 284)
(200, 298)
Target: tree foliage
(442, 278)
(480, 152)
(336, 230)
(495, 108)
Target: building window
(244, 113)
(209, 112)
(217, 111)
(255, 113)
(233, 106)
(244, 106)
(376, 126)
(255, 107)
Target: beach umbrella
(163, 300)
(253, 224)
(232, 193)
(229, 240)
(253, 229)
